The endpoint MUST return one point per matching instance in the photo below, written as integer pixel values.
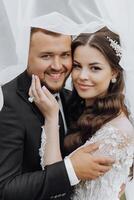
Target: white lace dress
(116, 140)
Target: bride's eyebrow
(90, 64)
(94, 63)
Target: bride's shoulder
(118, 131)
(122, 124)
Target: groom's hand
(88, 166)
(122, 190)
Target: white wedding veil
(17, 20)
(67, 17)
(78, 16)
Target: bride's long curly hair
(85, 121)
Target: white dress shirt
(68, 164)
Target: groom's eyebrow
(68, 51)
(51, 52)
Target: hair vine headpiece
(114, 44)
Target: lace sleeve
(42, 149)
(115, 144)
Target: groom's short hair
(34, 30)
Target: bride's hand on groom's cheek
(43, 99)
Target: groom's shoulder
(9, 89)
(12, 84)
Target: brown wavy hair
(85, 121)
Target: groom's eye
(46, 56)
(66, 55)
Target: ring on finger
(31, 99)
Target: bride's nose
(84, 74)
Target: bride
(97, 113)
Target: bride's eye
(95, 68)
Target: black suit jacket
(21, 177)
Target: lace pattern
(42, 149)
(119, 146)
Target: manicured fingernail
(44, 88)
(32, 76)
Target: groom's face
(50, 59)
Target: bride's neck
(89, 102)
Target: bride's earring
(113, 80)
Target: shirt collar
(56, 95)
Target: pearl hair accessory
(114, 44)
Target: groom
(21, 176)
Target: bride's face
(91, 72)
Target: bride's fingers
(41, 95)
(48, 94)
(43, 91)
(38, 88)
(33, 89)
(30, 92)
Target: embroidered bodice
(116, 140)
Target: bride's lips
(84, 86)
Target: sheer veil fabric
(15, 29)
(84, 16)
(14, 34)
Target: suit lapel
(65, 94)
(23, 85)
